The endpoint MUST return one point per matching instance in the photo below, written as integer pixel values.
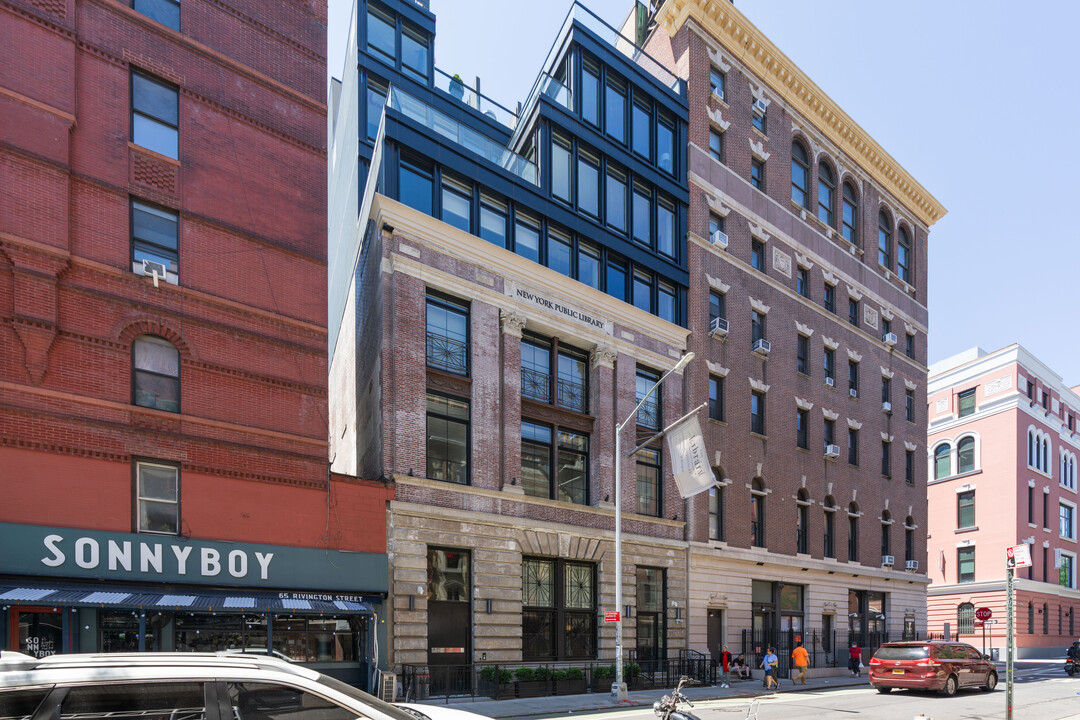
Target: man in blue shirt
(769, 664)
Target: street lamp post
(618, 690)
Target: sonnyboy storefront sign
(88, 554)
(93, 554)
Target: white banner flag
(689, 461)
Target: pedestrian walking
(855, 660)
(801, 660)
(725, 667)
(768, 663)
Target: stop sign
(983, 613)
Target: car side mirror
(985, 656)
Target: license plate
(898, 671)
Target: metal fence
(518, 680)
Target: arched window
(155, 373)
(941, 461)
(1045, 467)
(802, 508)
(830, 527)
(850, 215)
(884, 240)
(853, 532)
(903, 256)
(965, 455)
(1031, 448)
(716, 507)
(825, 187)
(800, 172)
(757, 513)
(965, 619)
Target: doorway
(449, 631)
(714, 633)
(39, 632)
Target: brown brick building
(163, 314)
(806, 235)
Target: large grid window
(648, 416)
(447, 335)
(649, 500)
(155, 373)
(447, 439)
(158, 496)
(155, 115)
(558, 619)
(569, 388)
(554, 463)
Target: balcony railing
(477, 101)
(463, 136)
(648, 415)
(446, 353)
(536, 384)
(572, 395)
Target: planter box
(570, 687)
(496, 691)
(532, 688)
(601, 685)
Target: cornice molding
(739, 37)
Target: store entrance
(39, 631)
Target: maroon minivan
(944, 666)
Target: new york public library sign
(92, 554)
(558, 306)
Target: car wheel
(991, 682)
(884, 690)
(950, 686)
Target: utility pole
(1009, 620)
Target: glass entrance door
(40, 631)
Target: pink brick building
(1002, 446)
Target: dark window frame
(559, 612)
(449, 304)
(757, 174)
(148, 114)
(757, 412)
(175, 381)
(716, 398)
(467, 422)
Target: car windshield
(903, 652)
(357, 694)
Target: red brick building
(163, 324)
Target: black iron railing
(536, 384)
(447, 353)
(518, 680)
(571, 395)
(648, 415)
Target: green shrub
(525, 674)
(558, 674)
(603, 672)
(494, 674)
(631, 670)
(541, 673)
(575, 673)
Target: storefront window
(40, 633)
(118, 631)
(319, 638)
(206, 632)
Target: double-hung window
(830, 365)
(802, 418)
(802, 355)
(965, 509)
(155, 373)
(967, 402)
(155, 115)
(1066, 521)
(716, 398)
(716, 145)
(757, 412)
(853, 311)
(717, 81)
(757, 174)
(965, 560)
(158, 493)
(757, 255)
(853, 377)
(153, 238)
(829, 300)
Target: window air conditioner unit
(853, 392)
(889, 339)
(830, 382)
(153, 270)
(759, 107)
(718, 327)
(911, 565)
(762, 347)
(888, 560)
(886, 407)
(718, 93)
(718, 238)
(832, 451)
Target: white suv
(183, 686)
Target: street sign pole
(1009, 620)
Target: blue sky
(975, 99)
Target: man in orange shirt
(801, 660)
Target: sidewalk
(594, 702)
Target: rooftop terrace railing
(477, 101)
(462, 135)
